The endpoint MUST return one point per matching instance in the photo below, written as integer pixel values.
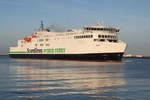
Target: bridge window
(107, 36)
(83, 36)
(99, 40)
(112, 40)
(102, 40)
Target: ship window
(46, 39)
(41, 44)
(99, 40)
(95, 39)
(99, 36)
(110, 40)
(41, 40)
(47, 44)
(102, 40)
(102, 36)
(115, 40)
(83, 36)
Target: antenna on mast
(42, 26)
(99, 22)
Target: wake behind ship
(97, 42)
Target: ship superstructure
(97, 42)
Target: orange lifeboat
(27, 39)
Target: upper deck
(101, 28)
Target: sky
(19, 18)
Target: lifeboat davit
(33, 36)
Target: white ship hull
(68, 45)
(101, 51)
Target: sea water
(29, 79)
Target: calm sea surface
(27, 79)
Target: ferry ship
(97, 42)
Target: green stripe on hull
(18, 52)
(44, 51)
(56, 50)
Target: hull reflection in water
(48, 79)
